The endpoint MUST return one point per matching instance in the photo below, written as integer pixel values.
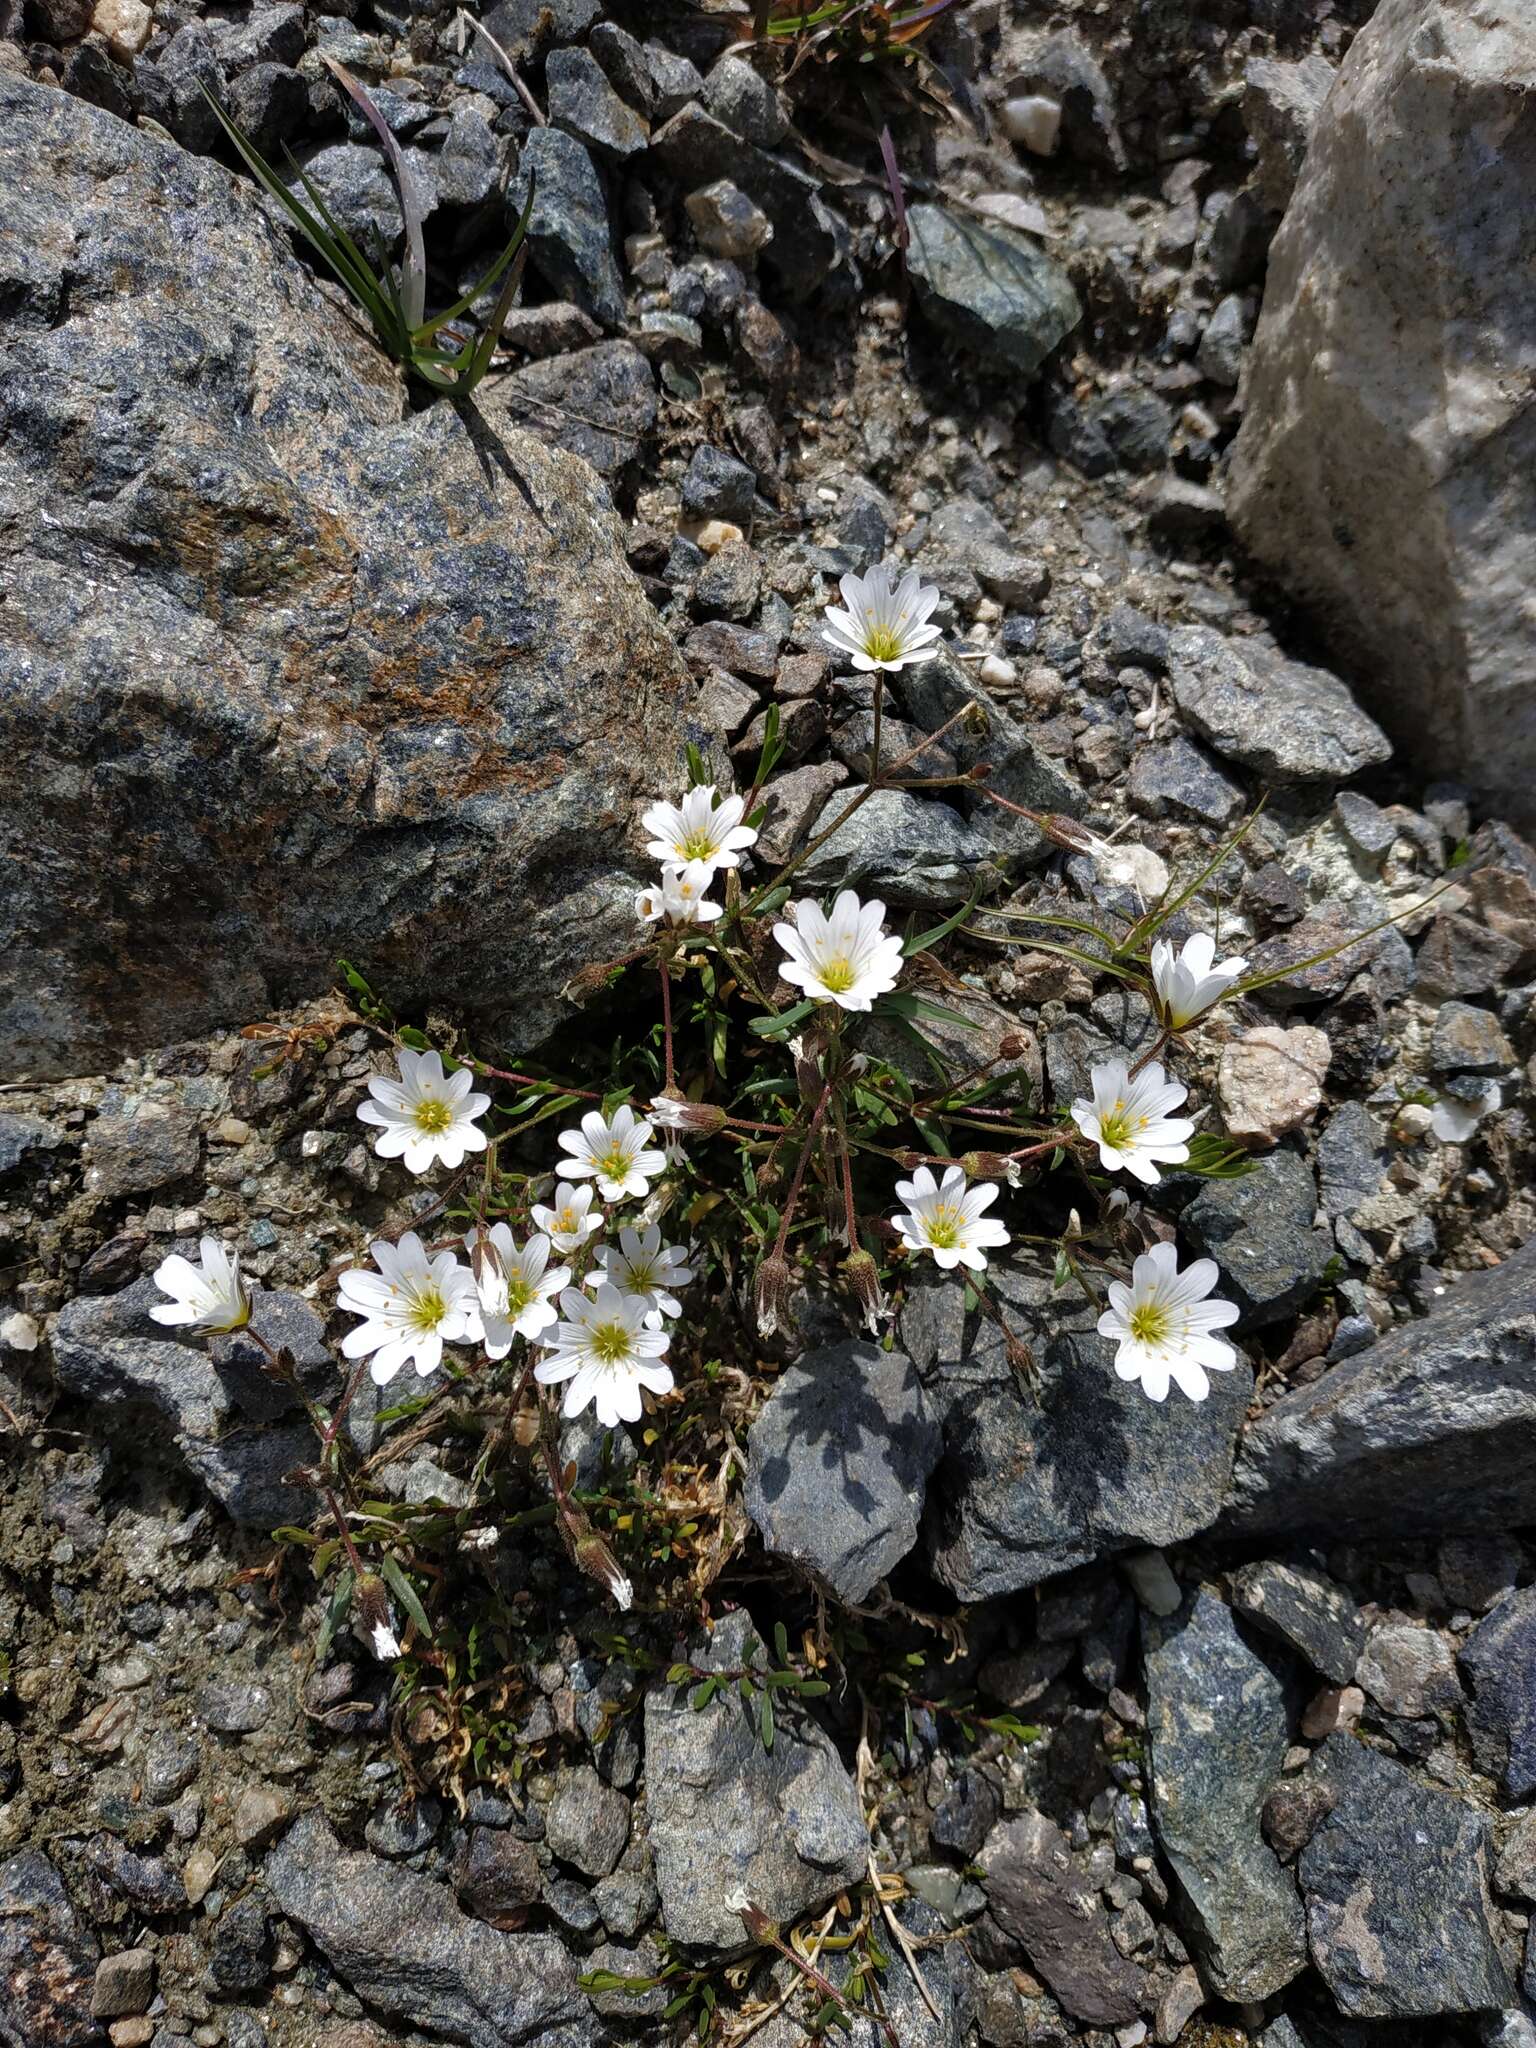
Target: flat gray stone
(1395, 1880)
(1307, 1610)
(784, 1825)
(910, 851)
(838, 1463)
(1030, 1486)
(1287, 720)
(1260, 1232)
(1430, 1431)
(401, 1943)
(1219, 1723)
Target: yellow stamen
(432, 1115)
(1151, 1323)
(610, 1343)
(944, 1229)
(881, 643)
(838, 977)
(428, 1309)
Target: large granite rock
(296, 669)
(1288, 721)
(1396, 1885)
(727, 1815)
(402, 1944)
(1032, 1484)
(1386, 467)
(1431, 1430)
(1258, 1228)
(838, 1463)
(1218, 1720)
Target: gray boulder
(911, 851)
(303, 671)
(1032, 1484)
(1396, 1886)
(1218, 1720)
(1286, 720)
(1431, 1430)
(401, 1943)
(838, 1464)
(783, 1825)
(1386, 466)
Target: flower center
(433, 1115)
(837, 977)
(944, 1229)
(566, 1222)
(610, 1343)
(1151, 1323)
(642, 1276)
(519, 1294)
(1119, 1130)
(428, 1309)
(614, 1165)
(882, 643)
(699, 845)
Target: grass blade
(414, 281)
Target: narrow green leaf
(406, 1594)
(335, 1612)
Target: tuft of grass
(394, 303)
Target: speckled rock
(1307, 1610)
(726, 1814)
(1039, 1897)
(1271, 1080)
(1218, 1719)
(1283, 718)
(1396, 1886)
(47, 1958)
(298, 670)
(996, 292)
(1498, 1663)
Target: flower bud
(593, 1557)
(772, 1291)
(675, 1112)
(864, 1279)
(371, 1599)
(992, 1166)
(1014, 1045)
(1021, 1358)
(753, 1918)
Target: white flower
(1129, 1122)
(680, 898)
(699, 831)
(613, 1150)
(1162, 1323)
(1185, 984)
(945, 1218)
(568, 1221)
(205, 1298)
(847, 958)
(643, 1266)
(607, 1352)
(514, 1286)
(886, 623)
(383, 1642)
(412, 1306)
(426, 1114)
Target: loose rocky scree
(1093, 1720)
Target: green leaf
(703, 1694)
(418, 1041)
(697, 772)
(924, 941)
(765, 1718)
(406, 1594)
(1216, 1158)
(784, 1022)
(781, 1642)
(288, 1534)
(335, 1612)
